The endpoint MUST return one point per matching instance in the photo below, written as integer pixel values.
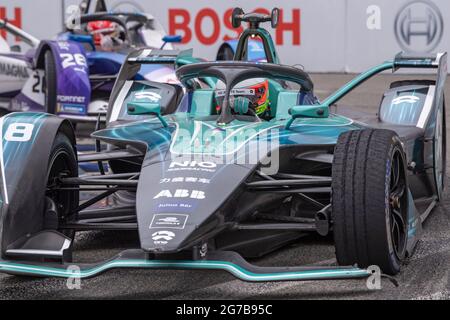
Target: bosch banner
(42, 19)
(344, 35)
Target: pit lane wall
(321, 35)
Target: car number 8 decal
(19, 132)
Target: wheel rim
(398, 200)
(59, 167)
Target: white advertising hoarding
(41, 18)
(321, 35)
(416, 26)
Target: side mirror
(275, 17)
(236, 17)
(308, 111)
(81, 38)
(143, 108)
(172, 39)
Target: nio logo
(162, 237)
(181, 193)
(193, 164)
(405, 99)
(419, 26)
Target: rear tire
(50, 82)
(370, 200)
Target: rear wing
(157, 56)
(408, 60)
(401, 61)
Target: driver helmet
(256, 90)
(105, 34)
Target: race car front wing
(219, 260)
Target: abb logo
(181, 20)
(16, 20)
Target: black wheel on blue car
(370, 200)
(50, 82)
(62, 204)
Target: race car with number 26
(72, 76)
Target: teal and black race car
(246, 162)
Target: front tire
(62, 163)
(50, 82)
(370, 200)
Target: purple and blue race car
(73, 75)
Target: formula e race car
(73, 75)
(236, 171)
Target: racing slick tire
(440, 139)
(62, 163)
(50, 82)
(370, 200)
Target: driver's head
(106, 34)
(256, 90)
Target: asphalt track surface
(425, 275)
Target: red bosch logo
(15, 18)
(182, 21)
